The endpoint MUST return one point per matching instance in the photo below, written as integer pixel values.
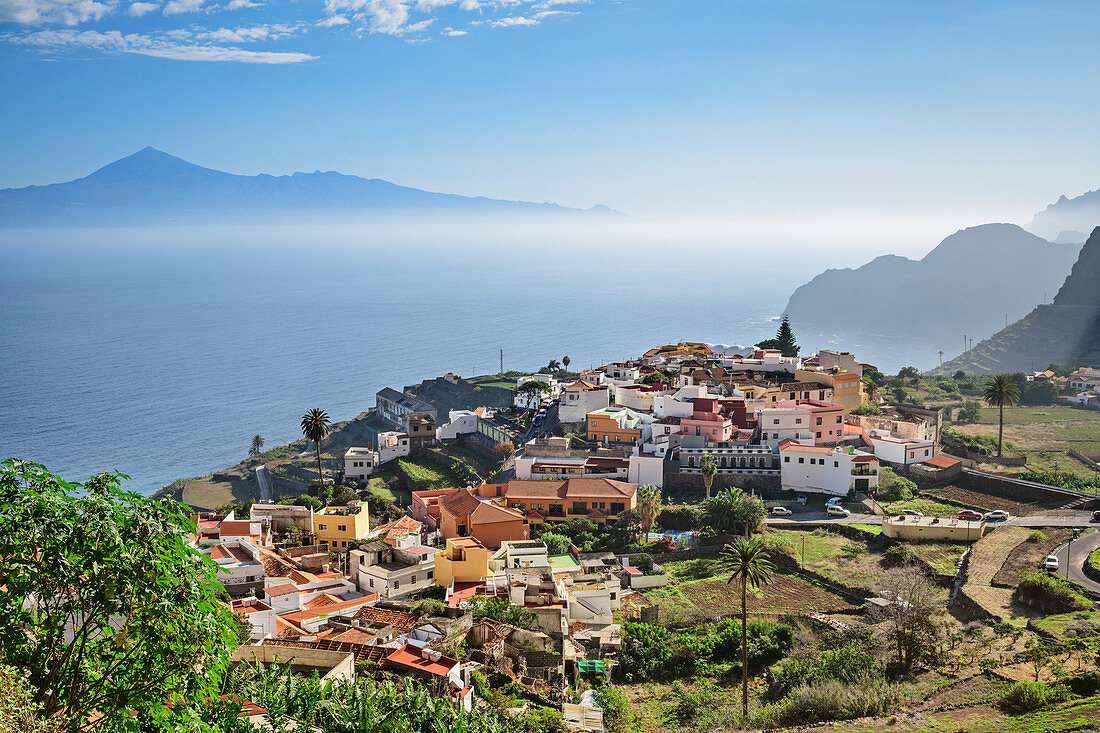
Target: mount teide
(151, 187)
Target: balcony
(864, 471)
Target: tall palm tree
(316, 426)
(565, 361)
(708, 466)
(1000, 391)
(257, 445)
(649, 505)
(750, 566)
(553, 366)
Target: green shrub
(970, 412)
(616, 710)
(852, 549)
(830, 700)
(1024, 697)
(543, 720)
(1050, 592)
(867, 408)
(896, 555)
(428, 607)
(1036, 536)
(678, 518)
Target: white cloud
(514, 20)
(147, 45)
(448, 31)
(239, 4)
(247, 35)
(139, 9)
(176, 7)
(65, 12)
(332, 20)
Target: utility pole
(964, 342)
(502, 362)
(803, 552)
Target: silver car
(998, 515)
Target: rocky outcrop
(1065, 332)
(970, 281)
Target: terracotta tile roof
(235, 528)
(942, 461)
(400, 621)
(299, 617)
(362, 652)
(354, 636)
(280, 590)
(393, 530)
(220, 553)
(521, 489)
(460, 503)
(286, 630)
(582, 386)
(490, 512)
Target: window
(372, 582)
(786, 459)
(322, 527)
(819, 421)
(342, 528)
(839, 419)
(801, 460)
(461, 529)
(775, 421)
(396, 584)
(579, 507)
(819, 433)
(599, 505)
(413, 579)
(836, 464)
(617, 506)
(431, 575)
(798, 421)
(925, 451)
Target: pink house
(706, 421)
(424, 506)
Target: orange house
(598, 499)
(465, 515)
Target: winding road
(1071, 560)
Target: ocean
(163, 362)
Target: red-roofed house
(599, 499)
(425, 506)
(431, 665)
(467, 515)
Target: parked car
(998, 515)
(834, 500)
(1051, 563)
(1096, 516)
(781, 511)
(912, 513)
(837, 511)
(970, 515)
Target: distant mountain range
(965, 286)
(151, 187)
(1065, 332)
(1067, 219)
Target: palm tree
(649, 505)
(708, 466)
(565, 361)
(316, 426)
(750, 566)
(1001, 391)
(871, 389)
(257, 445)
(553, 366)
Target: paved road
(1077, 519)
(1073, 566)
(263, 478)
(819, 517)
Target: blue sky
(853, 113)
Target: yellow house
(336, 527)
(463, 560)
(848, 390)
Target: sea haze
(140, 351)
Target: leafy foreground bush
(1049, 593)
(1023, 697)
(829, 700)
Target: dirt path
(986, 559)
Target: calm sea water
(164, 363)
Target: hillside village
(570, 551)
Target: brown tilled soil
(988, 555)
(1027, 555)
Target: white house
(238, 570)
(392, 445)
(283, 516)
(902, 451)
(622, 372)
(259, 615)
(530, 554)
(1085, 379)
(826, 470)
(790, 422)
(459, 422)
(359, 463)
(678, 404)
(646, 468)
(639, 396)
(581, 398)
(764, 360)
(390, 572)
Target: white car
(912, 513)
(837, 511)
(1051, 563)
(999, 515)
(781, 511)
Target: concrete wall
(332, 666)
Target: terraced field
(785, 595)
